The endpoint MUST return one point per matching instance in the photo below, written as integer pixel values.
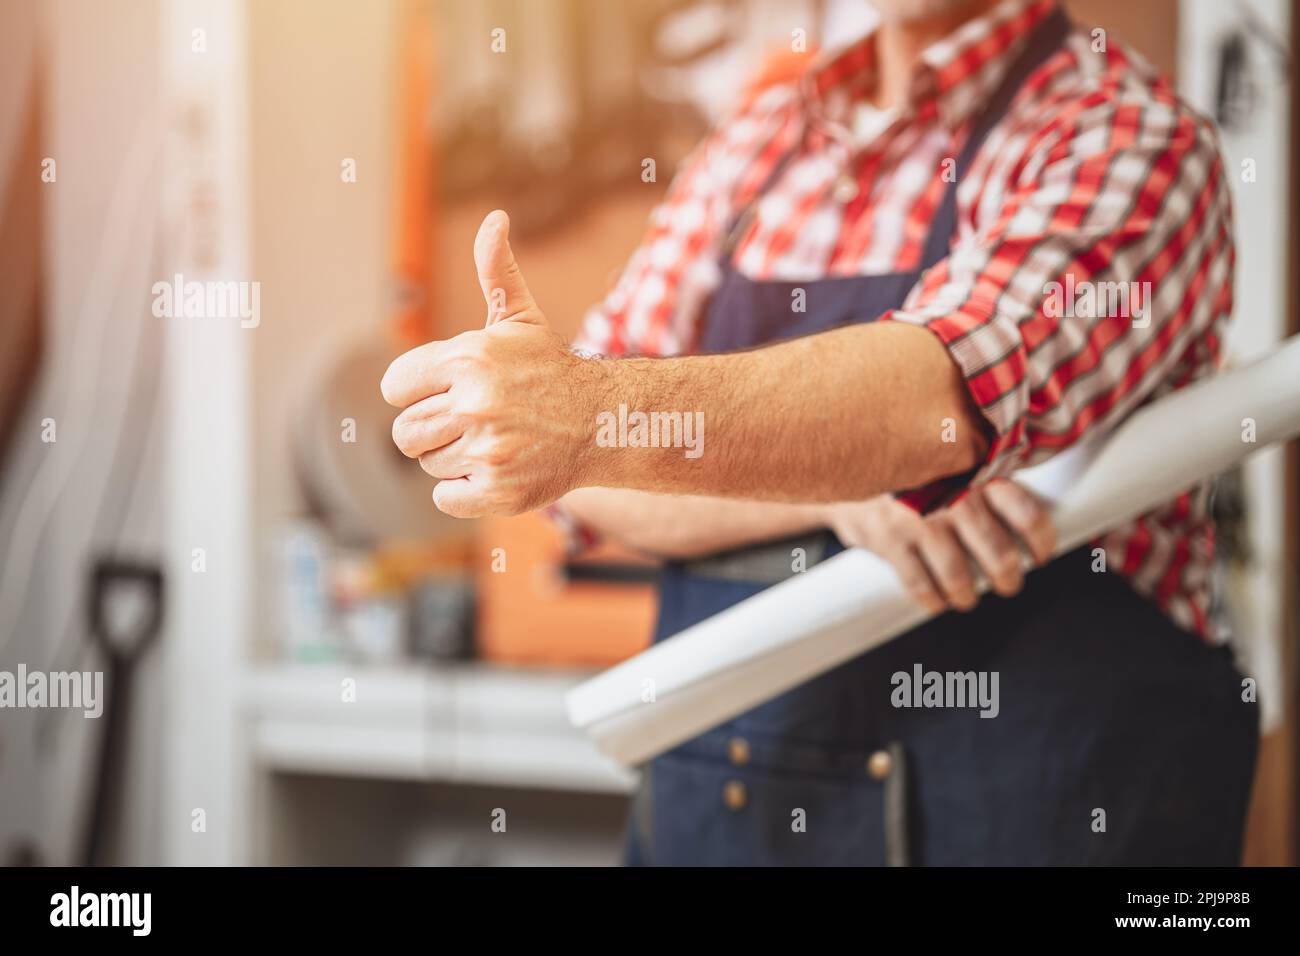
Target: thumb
(503, 284)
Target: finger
(459, 498)
(445, 463)
(946, 561)
(427, 425)
(911, 571)
(1025, 514)
(503, 284)
(989, 543)
(416, 374)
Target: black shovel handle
(107, 574)
(121, 651)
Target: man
(906, 230)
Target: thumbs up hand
(504, 416)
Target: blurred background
(305, 663)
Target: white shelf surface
(469, 723)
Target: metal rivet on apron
(879, 764)
(845, 189)
(734, 795)
(738, 751)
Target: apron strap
(1043, 43)
(741, 221)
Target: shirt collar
(954, 76)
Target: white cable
(49, 482)
(92, 503)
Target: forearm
(675, 526)
(508, 419)
(844, 415)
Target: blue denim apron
(1119, 738)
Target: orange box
(529, 613)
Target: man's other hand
(935, 556)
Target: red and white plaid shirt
(1096, 175)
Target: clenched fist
(503, 417)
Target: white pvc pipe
(854, 602)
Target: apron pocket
(725, 800)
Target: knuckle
(933, 535)
(472, 413)
(1027, 519)
(953, 576)
(925, 597)
(918, 586)
(1007, 564)
(861, 537)
(1021, 509)
(463, 366)
(962, 593)
(494, 450)
(1043, 529)
(467, 359)
(952, 566)
(1002, 566)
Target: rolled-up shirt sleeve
(1101, 281)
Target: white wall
(1259, 319)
